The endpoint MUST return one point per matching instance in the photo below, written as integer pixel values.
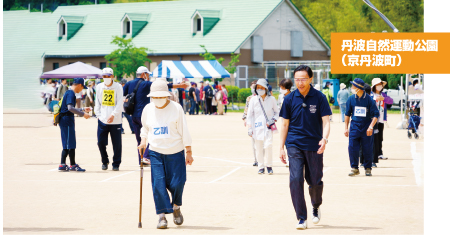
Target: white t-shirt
(380, 106)
(165, 129)
(109, 101)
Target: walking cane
(141, 154)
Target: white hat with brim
(377, 81)
(343, 86)
(159, 88)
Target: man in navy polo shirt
(141, 100)
(361, 107)
(67, 125)
(305, 128)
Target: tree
(231, 68)
(128, 58)
(209, 56)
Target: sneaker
(269, 170)
(302, 224)
(105, 166)
(255, 164)
(162, 223)
(177, 216)
(368, 172)
(76, 167)
(362, 165)
(115, 168)
(132, 132)
(123, 132)
(63, 168)
(374, 165)
(382, 157)
(316, 215)
(354, 172)
(261, 171)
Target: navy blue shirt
(361, 109)
(68, 99)
(305, 124)
(141, 99)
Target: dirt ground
(223, 194)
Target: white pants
(261, 151)
(254, 150)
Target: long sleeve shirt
(165, 129)
(109, 101)
(255, 116)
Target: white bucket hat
(159, 88)
(377, 81)
(262, 82)
(343, 86)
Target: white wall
(276, 31)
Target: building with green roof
(262, 31)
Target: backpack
(209, 93)
(56, 113)
(128, 104)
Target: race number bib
(259, 123)
(360, 111)
(108, 98)
(161, 132)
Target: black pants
(312, 164)
(377, 142)
(102, 141)
(197, 107)
(208, 106)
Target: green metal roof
(210, 19)
(74, 23)
(139, 22)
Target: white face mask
(159, 102)
(283, 91)
(107, 81)
(261, 92)
(354, 91)
(379, 87)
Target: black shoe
(269, 170)
(123, 132)
(105, 167)
(132, 132)
(261, 171)
(255, 164)
(115, 168)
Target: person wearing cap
(67, 125)
(141, 100)
(342, 97)
(381, 100)
(109, 108)
(208, 95)
(192, 99)
(364, 113)
(262, 114)
(165, 130)
(304, 130)
(89, 99)
(128, 117)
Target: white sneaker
(316, 215)
(303, 225)
(382, 157)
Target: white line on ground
(219, 159)
(222, 177)
(117, 176)
(416, 163)
(54, 169)
(325, 170)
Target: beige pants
(263, 154)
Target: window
(102, 65)
(64, 29)
(71, 62)
(55, 66)
(199, 24)
(128, 27)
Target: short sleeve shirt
(361, 109)
(68, 99)
(305, 123)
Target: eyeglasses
(301, 79)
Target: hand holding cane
(141, 154)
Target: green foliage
(328, 16)
(209, 56)
(231, 68)
(233, 93)
(128, 58)
(393, 80)
(243, 94)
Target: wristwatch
(370, 127)
(326, 140)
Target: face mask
(159, 102)
(261, 92)
(107, 81)
(283, 91)
(354, 91)
(379, 87)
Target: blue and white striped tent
(193, 70)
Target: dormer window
(204, 20)
(68, 26)
(133, 23)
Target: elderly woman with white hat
(381, 100)
(262, 113)
(342, 97)
(164, 128)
